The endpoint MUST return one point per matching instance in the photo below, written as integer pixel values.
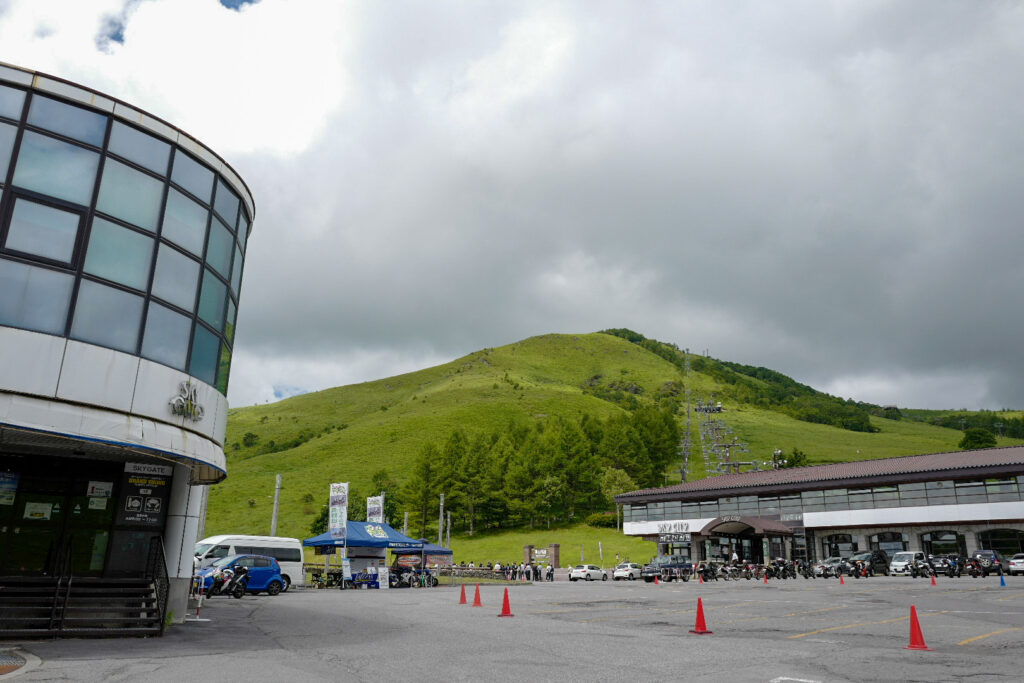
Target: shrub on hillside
(603, 520)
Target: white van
(287, 552)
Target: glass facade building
(113, 235)
(122, 247)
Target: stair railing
(63, 573)
(156, 572)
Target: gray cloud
(831, 190)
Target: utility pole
(277, 501)
(405, 524)
(448, 533)
(440, 524)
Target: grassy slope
(387, 421)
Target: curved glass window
(224, 368)
(226, 203)
(11, 102)
(130, 195)
(192, 176)
(205, 355)
(166, 337)
(184, 222)
(107, 317)
(218, 249)
(7, 135)
(236, 272)
(243, 229)
(229, 325)
(119, 254)
(144, 150)
(176, 278)
(211, 301)
(56, 168)
(73, 122)
(43, 231)
(34, 298)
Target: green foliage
(604, 520)
(797, 458)
(977, 437)
(249, 439)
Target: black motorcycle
(921, 568)
(238, 583)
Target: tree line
(553, 470)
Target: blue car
(264, 572)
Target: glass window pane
(73, 122)
(224, 370)
(218, 249)
(193, 176)
(205, 355)
(184, 222)
(166, 337)
(43, 231)
(34, 298)
(130, 195)
(56, 168)
(107, 316)
(176, 278)
(11, 102)
(211, 301)
(143, 149)
(226, 203)
(236, 272)
(243, 229)
(229, 326)
(119, 254)
(7, 133)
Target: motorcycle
(220, 579)
(237, 584)
(921, 568)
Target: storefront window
(943, 543)
(838, 545)
(890, 541)
(1008, 542)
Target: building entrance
(73, 515)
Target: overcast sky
(834, 190)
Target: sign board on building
(673, 527)
(673, 538)
(8, 487)
(144, 493)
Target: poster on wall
(375, 509)
(338, 525)
(38, 511)
(8, 487)
(144, 495)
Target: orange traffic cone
(766, 579)
(700, 578)
(657, 582)
(506, 611)
(933, 580)
(462, 596)
(700, 628)
(842, 581)
(476, 597)
(916, 637)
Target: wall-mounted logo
(186, 403)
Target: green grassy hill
(347, 433)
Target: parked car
(264, 572)
(1017, 564)
(627, 570)
(991, 561)
(587, 572)
(903, 560)
(877, 562)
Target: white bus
(287, 552)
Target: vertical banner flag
(339, 511)
(375, 509)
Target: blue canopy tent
(366, 535)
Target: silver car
(1017, 564)
(587, 572)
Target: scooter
(238, 583)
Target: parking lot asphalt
(795, 630)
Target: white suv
(627, 570)
(587, 572)
(901, 561)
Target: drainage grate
(10, 662)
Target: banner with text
(375, 509)
(338, 525)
